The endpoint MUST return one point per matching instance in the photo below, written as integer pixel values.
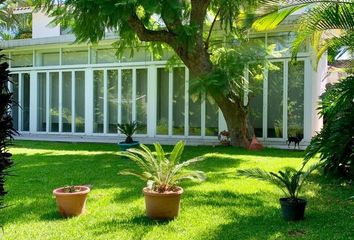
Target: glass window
(15, 87)
(106, 55)
(255, 98)
(211, 117)
(296, 99)
(42, 105)
(194, 115)
(112, 100)
(178, 101)
(54, 101)
(162, 101)
(70, 57)
(284, 41)
(275, 102)
(25, 101)
(48, 59)
(21, 60)
(79, 101)
(141, 100)
(127, 84)
(67, 99)
(139, 56)
(98, 106)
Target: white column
(33, 102)
(88, 101)
(152, 101)
(308, 73)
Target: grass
(224, 207)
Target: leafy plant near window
(128, 129)
(7, 130)
(335, 141)
(160, 170)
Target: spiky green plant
(160, 170)
(128, 129)
(289, 180)
(7, 130)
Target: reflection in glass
(98, 106)
(275, 102)
(211, 117)
(79, 101)
(54, 102)
(194, 115)
(178, 101)
(296, 99)
(70, 57)
(162, 101)
(22, 60)
(141, 100)
(127, 83)
(255, 98)
(15, 83)
(25, 101)
(112, 100)
(42, 105)
(67, 97)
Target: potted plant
(224, 138)
(290, 182)
(71, 200)
(162, 172)
(128, 129)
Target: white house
(79, 92)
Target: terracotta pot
(71, 204)
(162, 205)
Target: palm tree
(329, 24)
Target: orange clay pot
(162, 205)
(71, 204)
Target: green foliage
(7, 130)
(161, 171)
(128, 129)
(320, 16)
(289, 180)
(335, 141)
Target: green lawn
(224, 207)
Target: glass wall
(112, 100)
(127, 95)
(15, 86)
(80, 101)
(178, 101)
(275, 101)
(296, 79)
(22, 60)
(54, 102)
(74, 56)
(98, 101)
(141, 100)
(42, 102)
(67, 102)
(211, 117)
(162, 107)
(25, 104)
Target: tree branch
(211, 29)
(147, 35)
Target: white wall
(41, 26)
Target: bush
(335, 142)
(6, 127)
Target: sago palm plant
(128, 129)
(160, 170)
(289, 180)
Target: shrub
(335, 142)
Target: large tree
(194, 29)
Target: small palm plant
(161, 171)
(128, 129)
(290, 182)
